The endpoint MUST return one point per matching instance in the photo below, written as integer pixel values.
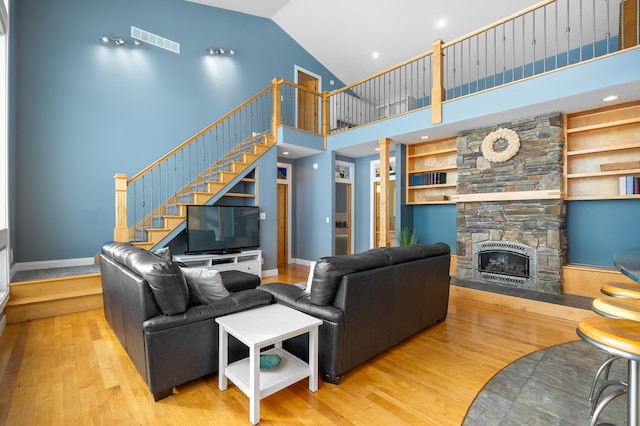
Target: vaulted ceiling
(344, 34)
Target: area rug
(547, 387)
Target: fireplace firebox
(504, 262)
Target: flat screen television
(222, 229)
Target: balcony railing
(541, 39)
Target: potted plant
(407, 236)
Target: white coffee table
(258, 328)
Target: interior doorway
(343, 207)
(283, 225)
(392, 212)
(343, 218)
(308, 103)
(375, 202)
(283, 222)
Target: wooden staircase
(63, 291)
(209, 189)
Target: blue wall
(596, 230)
(436, 222)
(85, 110)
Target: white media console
(246, 261)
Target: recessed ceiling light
(610, 98)
(441, 23)
(286, 153)
(375, 55)
(424, 137)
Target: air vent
(155, 40)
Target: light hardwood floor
(71, 370)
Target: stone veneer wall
(538, 223)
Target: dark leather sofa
(170, 340)
(369, 302)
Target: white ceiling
(343, 34)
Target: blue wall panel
(596, 230)
(435, 222)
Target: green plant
(407, 236)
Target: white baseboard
(270, 273)
(302, 262)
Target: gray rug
(547, 387)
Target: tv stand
(246, 261)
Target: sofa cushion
(329, 271)
(205, 285)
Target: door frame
(287, 181)
(297, 69)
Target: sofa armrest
(295, 297)
(235, 302)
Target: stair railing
(158, 190)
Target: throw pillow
(163, 253)
(312, 267)
(168, 287)
(208, 283)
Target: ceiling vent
(155, 40)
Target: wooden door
(283, 225)
(307, 103)
(628, 24)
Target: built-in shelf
(428, 164)
(602, 146)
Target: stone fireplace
(511, 216)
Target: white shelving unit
(249, 261)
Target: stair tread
(52, 273)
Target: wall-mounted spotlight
(220, 51)
(120, 41)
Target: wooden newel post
(384, 192)
(437, 91)
(277, 106)
(325, 117)
(121, 231)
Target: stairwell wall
(85, 110)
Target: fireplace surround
(511, 227)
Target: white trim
(270, 273)
(303, 262)
(287, 182)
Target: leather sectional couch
(170, 339)
(369, 302)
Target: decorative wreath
(513, 145)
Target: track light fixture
(220, 51)
(120, 41)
